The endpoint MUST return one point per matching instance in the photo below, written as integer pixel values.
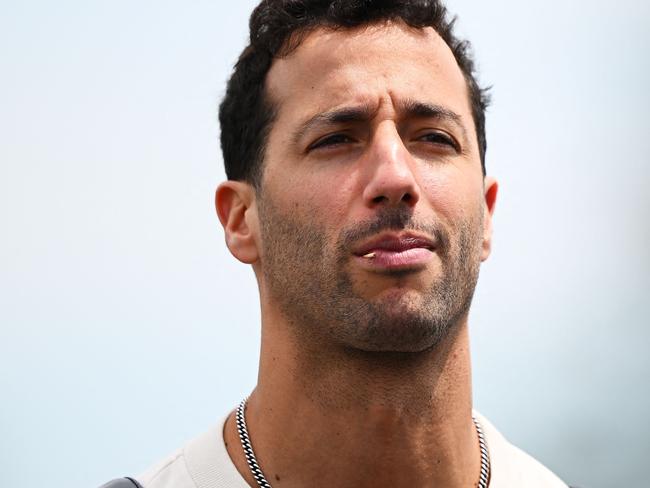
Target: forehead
(370, 65)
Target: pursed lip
(395, 243)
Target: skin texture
(364, 371)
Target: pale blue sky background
(125, 326)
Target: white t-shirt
(205, 463)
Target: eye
(440, 138)
(331, 140)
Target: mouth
(395, 251)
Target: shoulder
(511, 467)
(169, 472)
(202, 463)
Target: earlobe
(235, 204)
(491, 188)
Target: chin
(400, 323)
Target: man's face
(372, 210)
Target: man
(353, 135)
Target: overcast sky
(127, 328)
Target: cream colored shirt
(205, 463)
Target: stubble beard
(313, 287)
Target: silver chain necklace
(256, 471)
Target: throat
(352, 421)
(375, 450)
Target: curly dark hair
(277, 27)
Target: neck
(350, 418)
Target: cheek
(316, 213)
(446, 193)
(326, 200)
(454, 197)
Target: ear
(237, 211)
(491, 188)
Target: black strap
(122, 483)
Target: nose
(391, 180)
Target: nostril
(379, 199)
(406, 198)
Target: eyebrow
(414, 109)
(408, 109)
(362, 113)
